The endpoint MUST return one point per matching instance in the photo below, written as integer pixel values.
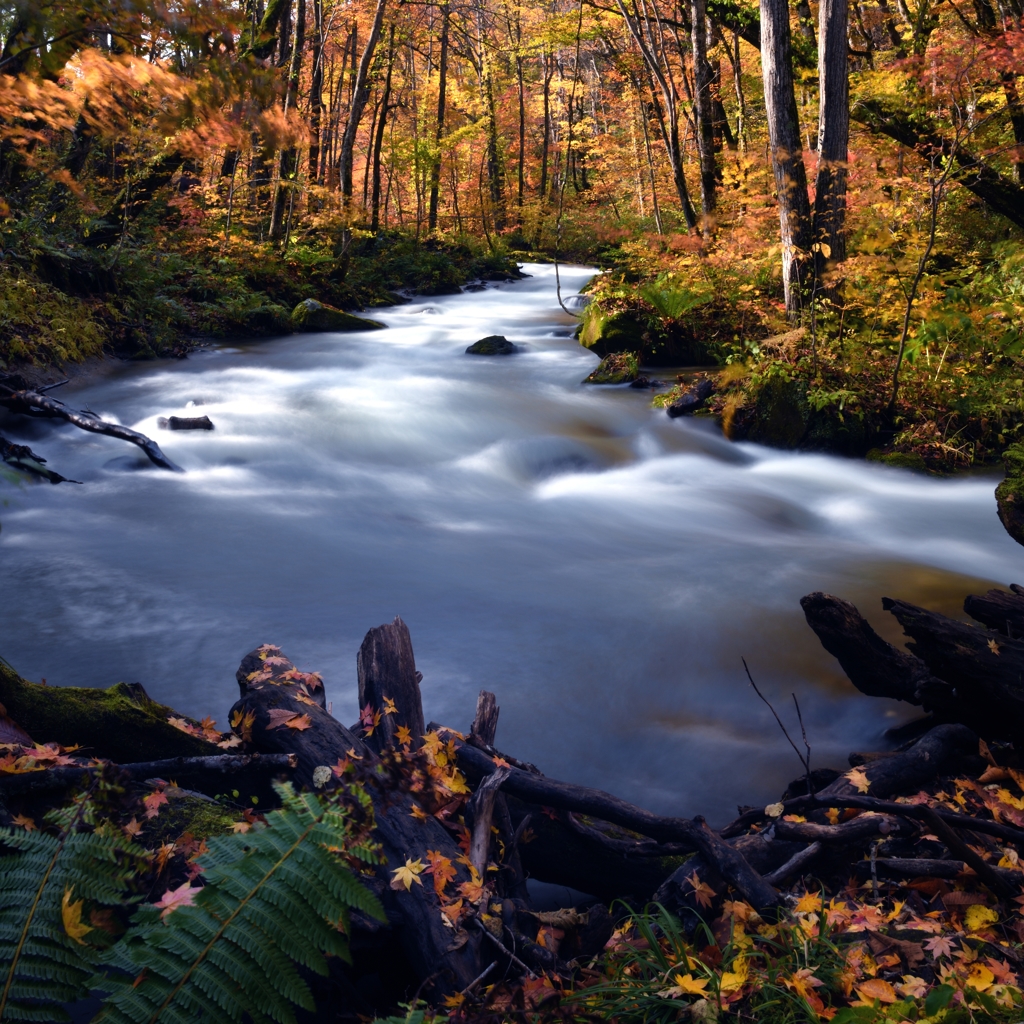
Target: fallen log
(281, 710)
(213, 772)
(596, 803)
(122, 723)
(984, 671)
(21, 457)
(899, 867)
(185, 423)
(32, 403)
(999, 610)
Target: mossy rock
(311, 315)
(268, 320)
(780, 415)
(181, 814)
(492, 345)
(617, 368)
(901, 460)
(122, 723)
(1010, 493)
(606, 333)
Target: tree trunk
(360, 94)
(378, 142)
(702, 108)
(786, 150)
(284, 194)
(442, 86)
(833, 143)
(316, 88)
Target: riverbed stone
(492, 345)
(617, 368)
(312, 315)
(1010, 493)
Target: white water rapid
(600, 567)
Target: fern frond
(272, 898)
(41, 965)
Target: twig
(503, 948)
(805, 761)
(480, 977)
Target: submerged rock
(902, 460)
(692, 399)
(492, 345)
(616, 368)
(1010, 493)
(311, 315)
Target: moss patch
(617, 368)
(189, 814)
(122, 723)
(1010, 493)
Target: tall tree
(284, 195)
(833, 141)
(360, 94)
(442, 88)
(702, 108)
(786, 149)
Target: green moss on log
(122, 723)
(1010, 493)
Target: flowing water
(600, 567)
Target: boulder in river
(311, 315)
(1010, 493)
(605, 333)
(692, 399)
(616, 368)
(492, 345)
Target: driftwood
(958, 671)
(999, 610)
(389, 684)
(34, 403)
(185, 423)
(21, 457)
(200, 773)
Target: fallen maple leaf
(133, 828)
(299, 722)
(71, 915)
(858, 779)
(154, 802)
(939, 945)
(419, 814)
(242, 722)
(240, 826)
(183, 896)
(230, 741)
(404, 735)
(280, 716)
(407, 874)
(23, 821)
(808, 904)
(685, 985)
(500, 762)
(472, 890)
(993, 646)
(389, 707)
(702, 892)
(441, 868)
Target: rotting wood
(485, 722)
(32, 403)
(480, 813)
(389, 685)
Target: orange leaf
(300, 722)
(28, 824)
(878, 989)
(154, 802)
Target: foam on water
(601, 567)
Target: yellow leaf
(858, 779)
(28, 824)
(980, 977)
(71, 915)
(979, 916)
(407, 874)
(389, 707)
(833, 815)
(876, 988)
(993, 646)
(774, 810)
(688, 985)
(809, 904)
(404, 735)
(418, 813)
(734, 980)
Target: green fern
(272, 899)
(41, 965)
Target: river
(600, 567)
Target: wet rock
(693, 398)
(1010, 493)
(617, 368)
(492, 345)
(644, 381)
(781, 414)
(311, 315)
(266, 320)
